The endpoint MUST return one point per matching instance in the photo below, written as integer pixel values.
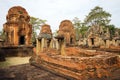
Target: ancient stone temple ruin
(66, 30)
(44, 38)
(17, 29)
(98, 36)
(116, 38)
(45, 31)
(73, 62)
(18, 32)
(95, 36)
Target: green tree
(2, 35)
(111, 29)
(36, 23)
(55, 33)
(97, 17)
(100, 18)
(77, 26)
(1, 32)
(80, 27)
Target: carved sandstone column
(16, 37)
(38, 46)
(62, 49)
(42, 44)
(57, 45)
(107, 43)
(51, 44)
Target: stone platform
(80, 64)
(112, 49)
(17, 50)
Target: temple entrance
(22, 40)
(71, 40)
(92, 41)
(105, 41)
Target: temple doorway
(22, 40)
(92, 41)
(71, 40)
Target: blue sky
(54, 11)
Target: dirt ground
(10, 61)
(27, 72)
(18, 68)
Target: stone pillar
(97, 41)
(62, 49)
(45, 43)
(89, 42)
(85, 41)
(107, 43)
(67, 38)
(42, 44)
(57, 45)
(38, 46)
(113, 42)
(117, 42)
(16, 37)
(51, 44)
(37, 50)
(54, 43)
(102, 43)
